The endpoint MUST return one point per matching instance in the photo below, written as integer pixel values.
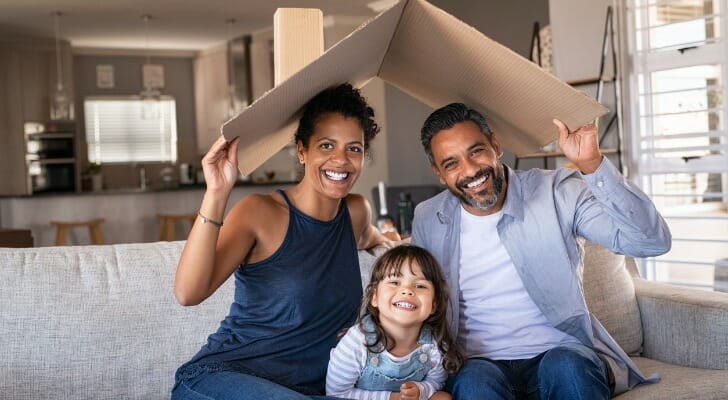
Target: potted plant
(93, 174)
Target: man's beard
(489, 200)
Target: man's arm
(613, 212)
(618, 215)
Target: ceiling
(174, 24)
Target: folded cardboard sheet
(433, 57)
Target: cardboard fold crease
(433, 57)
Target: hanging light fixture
(150, 95)
(233, 104)
(61, 104)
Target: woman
(294, 257)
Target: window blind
(679, 146)
(123, 129)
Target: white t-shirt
(498, 319)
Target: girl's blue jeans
(232, 385)
(571, 371)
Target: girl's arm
(212, 252)
(347, 361)
(436, 377)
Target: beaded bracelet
(204, 219)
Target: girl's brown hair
(390, 264)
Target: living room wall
(509, 22)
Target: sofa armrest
(683, 326)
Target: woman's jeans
(567, 372)
(232, 385)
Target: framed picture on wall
(105, 76)
(153, 76)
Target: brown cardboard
(298, 39)
(435, 58)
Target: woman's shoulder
(258, 207)
(355, 200)
(359, 207)
(254, 201)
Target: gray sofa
(101, 322)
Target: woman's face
(335, 154)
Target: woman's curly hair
(343, 99)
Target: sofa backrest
(93, 322)
(609, 294)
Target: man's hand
(581, 147)
(409, 391)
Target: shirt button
(600, 184)
(423, 358)
(374, 361)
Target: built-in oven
(50, 153)
(52, 175)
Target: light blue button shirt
(546, 216)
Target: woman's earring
(300, 160)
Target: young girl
(401, 348)
(285, 249)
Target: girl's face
(404, 300)
(335, 154)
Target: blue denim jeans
(567, 372)
(232, 385)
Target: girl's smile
(404, 300)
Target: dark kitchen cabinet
(27, 81)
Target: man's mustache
(487, 171)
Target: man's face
(469, 165)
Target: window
(679, 148)
(123, 129)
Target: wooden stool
(168, 223)
(94, 230)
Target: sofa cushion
(93, 322)
(679, 383)
(609, 294)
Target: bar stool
(168, 223)
(94, 230)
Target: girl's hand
(220, 165)
(409, 391)
(581, 147)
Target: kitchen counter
(130, 214)
(155, 189)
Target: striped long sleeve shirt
(349, 358)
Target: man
(510, 245)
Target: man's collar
(513, 204)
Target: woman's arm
(212, 252)
(367, 235)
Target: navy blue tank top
(289, 307)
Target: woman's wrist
(213, 205)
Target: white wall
(577, 27)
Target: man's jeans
(567, 372)
(230, 385)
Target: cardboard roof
(433, 57)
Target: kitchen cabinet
(212, 82)
(27, 82)
(13, 174)
(211, 89)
